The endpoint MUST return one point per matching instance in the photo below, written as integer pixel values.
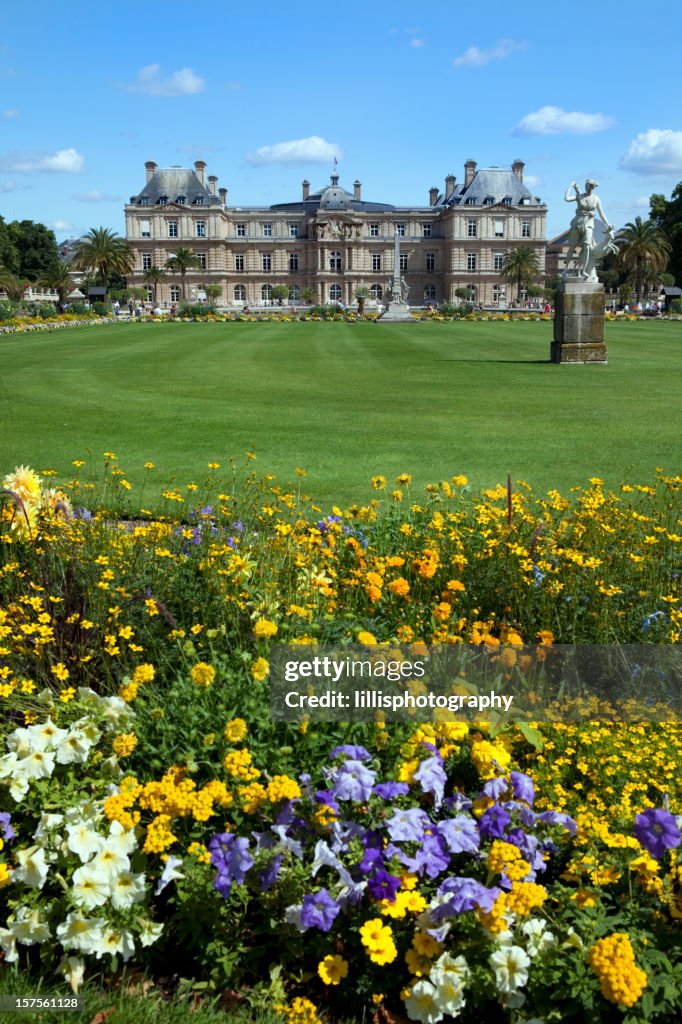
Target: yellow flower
(235, 730)
(365, 638)
(25, 483)
(260, 669)
(378, 482)
(332, 969)
(124, 744)
(203, 674)
(264, 628)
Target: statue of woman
(581, 231)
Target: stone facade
(333, 241)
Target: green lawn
(344, 401)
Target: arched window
(335, 260)
(377, 292)
(239, 293)
(335, 293)
(266, 293)
(430, 293)
(295, 293)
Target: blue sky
(401, 93)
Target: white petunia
(127, 889)
(449, 993)
(28, 926)
(45, 735)
(46, 827)
(37, 765)
(82, 933)
(455, 967)
(90, 886)
(8, 945)
(422, 1004)
(149, 932)
(123, 839)
(538, 937)
(31, 867)
(510, 964)
(83, 840)
(115, 941)
(74, 748)
(72, 969)
(169, 874)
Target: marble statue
(581, 232)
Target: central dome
(334, 197)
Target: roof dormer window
(471, 201)
(489, 200)
(507, 200)
(144, 200)
(163, 200)
(199, 201)
(181, 200)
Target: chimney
(449, 185)
(469, 172)
(150, 168)
(200, 169)
(223, 196)
(433, 196)
(357, 190)
(306, 190)
(517, 168)
(212, 184)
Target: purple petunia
(319, 910)
(432, 778)
(390, 790)
(559, 818)
(408, 825)
(461, 834)
(523, 787)
(232, 859)
(353, 751)
(433, 857)
(269, 875)
(7, 830)
(463, 894)
(494, 822)
(496, 787)
(353, 782)
(657, 831)
(383, 886)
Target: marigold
(203, 674)
(235, 730)
(264, 628)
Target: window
(267, 231)
(144, 201)
(293, 231)
(146, 261)
(174, 293)
(266, 293)
(150, 293)
(377, 292)
(293, 262)
(498, 260)
(172, 229)
(239, 293)
(335, 260)
(201, 256)
(525, 229)
(163, 200)
(241, 230)
(471, 228)
(199, 201)
(239, 262)
(507, 200)
(376, 261)
(201, 228)
(499, 229)
(374, 231)
(295, 293)
(181, 200)
(499, 293)
(400, 230)
(426, 230)
(430, 293)
(145, 229)
(489, 200)
(403, 261)
(335, 293)
(267, 261)
(471, 261)
(430, 262)
(471, 201)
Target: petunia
(461, 834)
(390, 790)
(523, 787)
(494, 822)
(353, 782)
(408, 825)
(319, 910)
(657, 831)
(352, 751)
(432, 778)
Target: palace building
(331, 242)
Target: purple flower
(559, 818)
(432, 778)
(270, 874)
(232, 859)
(353, 782)
(353, 751)
(390, 790)
(408, 825)
(494, 788)
(657, 831)
(494, 822)
(432, 858)
(383, 886)
(7, 830)
(325, 796)
(523, 787)
(319, 910)
(464, 894)
(460, 833)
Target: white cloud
(657, 151)
(8, 186)
(416, 43)
(555, 121)
(67, 161)
(95, 196)
(9, 115)
(477, 58)
(180, 83)
(532, 180)
(297, 151)
(60, 225)
(631, 205)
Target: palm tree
(154, 276)
(520, 267)
(104, 251)
(644, 251)
(59, 278)
(180, 262)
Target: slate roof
(172, 182)
(489, 186)
(332, 197)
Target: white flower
(115, 711)
(45, 735)
(421, 1004)
(28, 927)
(169, 874)
(37, 765)
(90, 886)
(538, 937)
(149, 932)
(454, 967)
(510, 964)
(449, 993)
(115, 941)
(127, 889)
(123, 839)
(78, 932)
(292, 915)
(46, 826)
(73, 969)
(31, 867)
(74, 748)
(8, 944)
(83, 840)
(19, 742)
(110, 862)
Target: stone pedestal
(396, 311)
(579, 322)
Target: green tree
(213, 292)
(104, 252)
(35, 247)
(280, 292)
(180, 262)
(9, 258)
(520, 267)
(308, 294)
(154, 276)
(643, 251)
(362, 294)
(59, 278)
(10, 284)
(667, 215)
